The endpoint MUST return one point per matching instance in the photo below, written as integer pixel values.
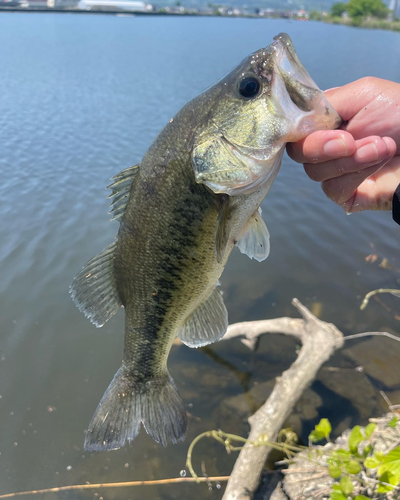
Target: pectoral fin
(254, 240)
(207, 324)
(223, 228)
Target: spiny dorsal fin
(94, 289)
(254, 240)
(207, 324)
(121, 188)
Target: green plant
(358, 463)
(345, 465)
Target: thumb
(351, 98)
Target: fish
(193, 197)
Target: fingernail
(368, 153)
(336, 148)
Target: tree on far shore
(338, 9)
(363, 8)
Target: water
(81, 98)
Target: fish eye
(249, 87)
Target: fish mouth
(308, 108)
(294, 96)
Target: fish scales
(158, 290)
(195, 195)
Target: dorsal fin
(121, 188)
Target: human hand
(358, 164)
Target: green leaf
(393, 422)
(379, 455)
(346, 485)
(337, 495)
(371, 462)
(391, 462)
(367, 450)
(341, 453)
(334, 471)
(355, 439)
(353, 467)
(370, 429)
(321, 431)
(386, 477)
(362, 497)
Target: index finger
(321, 146)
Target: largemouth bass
(195, 195)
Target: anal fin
(207, 324)
(254, 240)
(94, 289)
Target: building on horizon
(62, 4)
(130, 5)
(394, 5)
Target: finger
(369, 189)
(342, 189)
(370, 151)
(322, 146)
(349, 99)
(376, 192)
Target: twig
(372, 334)
(311, 476)
(368, 479)
(124, 484)
(226, 440)
(386, 399)
(301, 471)
(393, 291)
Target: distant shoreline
(365, 24)
(129, 13)
(123, 12)
(368, 23)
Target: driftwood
(319, 341)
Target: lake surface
(81, 98)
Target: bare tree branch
(320, 340)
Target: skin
(359, 164)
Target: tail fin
(126, 404)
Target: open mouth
(288, 63)
(305, 104)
